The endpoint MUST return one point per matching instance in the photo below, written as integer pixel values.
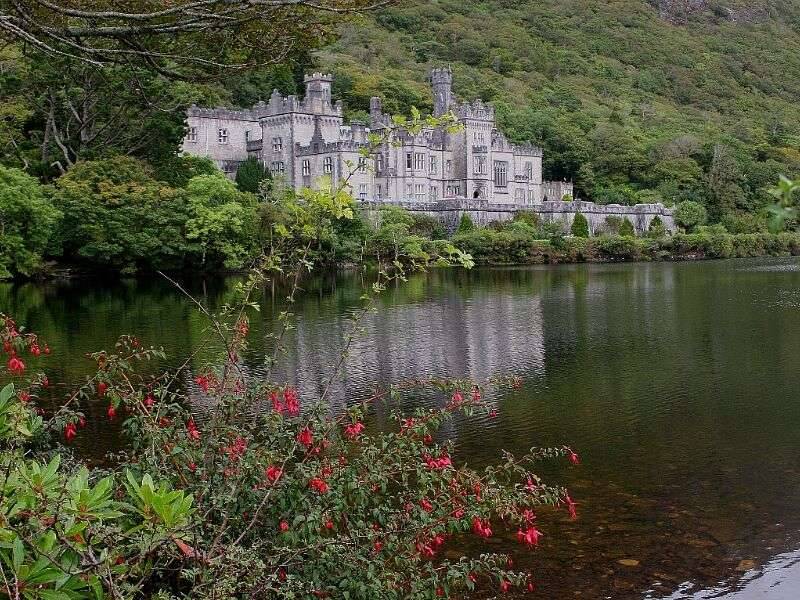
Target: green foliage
(221, 220)
(580, 226)
(656, 229)
(250, 174)
(465, 224)
(690, 215)
(117, 215)
(27, 221)
(626, 229)
(178, 170)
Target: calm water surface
(676, 382)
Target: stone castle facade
(304, 140)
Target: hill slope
(636, 100)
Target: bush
(656, 229)
(690, 215)
(580, 226)
(626, 229)
(250, 174)
(27, 222)
(465, 224)
(427, 226)
(611, 224)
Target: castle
(305, 140)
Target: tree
(118, 215)
(27, 221)
(222, 221)
(250, 174)
(182, 39)
(580, 226)
(626, 229)
(465, 224)
(690, 215)
(656, 228)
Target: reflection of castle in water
(479, 336)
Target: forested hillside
(635, 100)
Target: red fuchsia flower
(15, 366)
(273, 473)
(427, 439)
(571, 504)
(425, 550)
(35, 350)
(326, 471)
(438, 540)
(531, 587)
(531, 486)
(24, 396)
(353, 430)
(282, 574)
(440, 592)
(481, 527)
(284, 526)
(111, 412)
(46, 349)
(149, 401)
(505, 585)
(191, 428)
(529, 537)
(329, 524)
(318, 485)
(102, 387)
(203, 382)
(476, 394)
(477, 489)
(407, 424)
(191, 466)
(82, 422)
(456, 399)
(528, 515)
(237, 449)
(292, 402)
(378, 545)
(426, 505)
(305, 437)
(574, 458)
(69, 432)
(45, 382)
(473, 577)
(7, 347)
(493, 413)
(438, 463)
(457, 513)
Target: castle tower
(442, 84)
(318, 88)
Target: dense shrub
(27, 221)
(690, 215)
(626, 228)
(656, 228)
(465, 224)
(580, 226)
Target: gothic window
(222, 136)
(363, 191)
(409, 161)
(433, 167)
(409, 191)
(419, 162)
(500, 173)
(529, 170)
(191, 136)
(277, 167)
(530, 196)
(519, 195)
(480, 165)
(419, 192)
(362, 165)
(379, 163)
(277, 144)
(434, 193)
(327, 165)
(247, 136)
(379, 190)
(306, 167)
(449, 166)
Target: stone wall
(483, 212)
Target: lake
(676, 382)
